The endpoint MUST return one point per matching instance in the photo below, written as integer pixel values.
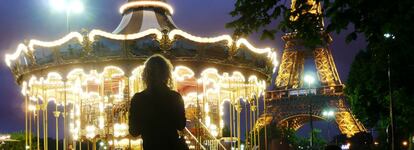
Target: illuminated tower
(294, 101)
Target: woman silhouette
(157, 112)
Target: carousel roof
(146, 28)
(139, 15)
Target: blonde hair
(157, 72)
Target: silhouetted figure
(157, 112)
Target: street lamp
(69, 6)
(391, 103)
(310, 79)
(328, 114)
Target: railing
(325, 90)
(211, 135)
(187, 132)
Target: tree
(367, 86)
(318, 142)
(257, 15)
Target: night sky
(26, 19)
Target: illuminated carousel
(86, 80)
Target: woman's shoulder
(139, 95)
(175, 93)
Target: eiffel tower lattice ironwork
(293, 103)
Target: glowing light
(61, 41)
(4, 137)
(120, 129)
(251, 47)
(181, 73)
(213, 130)
(53, 75)
(31, 108)
(206, 108)
(75, 72)
(24, 88)
(11, 57)
(32, 43)
(328, 113)
(389, 35)
(208, 121)
(117, 71)
(57, 5)
(76, 6)
(238, 76)
(405, 143)
(309, 79)
(95, 32)
(346, 146)
(186, 35)
(90, 131)
(136, 4)
(101, 122)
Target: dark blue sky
(26, 19)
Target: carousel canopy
(139, 15)
(146, 29)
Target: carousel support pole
(64, 115)
(258, 127)
(129, 144)
(45, 120)
(204, 101)
(38, 124)
(30, 129)
(251, 126)
(25, 121)
(245, 124)
(234, 112)
(231, 125)
(265, 126)
(254, 125)
(197, 124)
(128, 99)
(46, 126)
(238, 109)
(94, 144)
(81, 112)
(56, 113)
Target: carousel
(85, 80)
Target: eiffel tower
(293, 102)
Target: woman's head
(157, 72)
